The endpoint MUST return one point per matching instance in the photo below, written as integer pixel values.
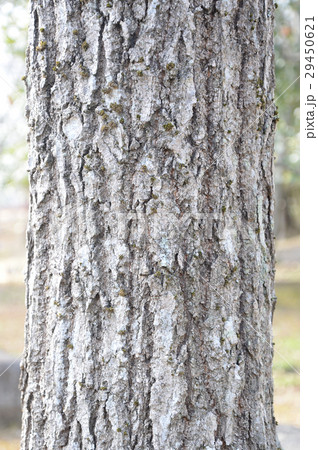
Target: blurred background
(14, 209)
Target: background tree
(150, 240)
(287, 137)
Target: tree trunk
(150, 244)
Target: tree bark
(150, 241)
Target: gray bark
(150, 244)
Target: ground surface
(286, 333)
(286, 321)
(289, 437)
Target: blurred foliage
(287, 71)
(287, 136)
(13, 129)
(15, 26)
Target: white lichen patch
(228, 242)
(230, 333)
(72, 127)
(188, 100)
(164, 324)
(216, 342)
(208, 426)
(180, 148)
(90, 184)
(84, 257)
(260, 219)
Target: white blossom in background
(13, 130)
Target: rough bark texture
(150, 243)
